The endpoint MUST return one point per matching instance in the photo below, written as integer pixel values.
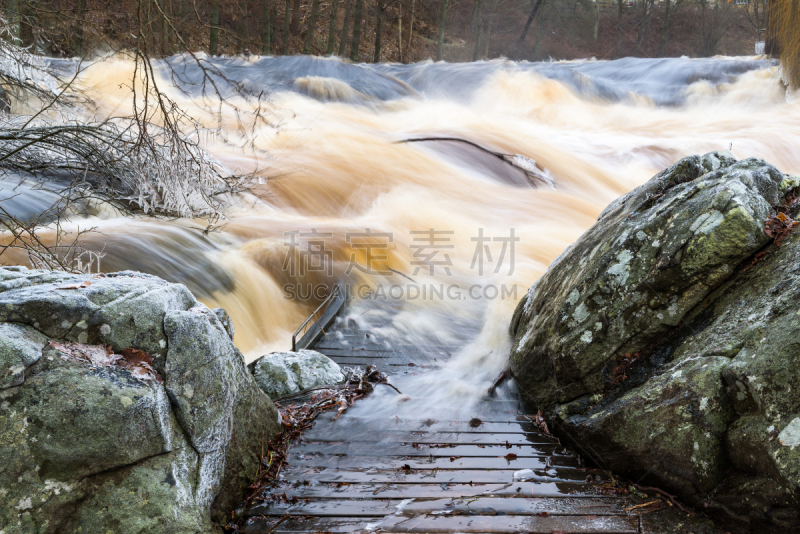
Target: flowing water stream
(445, 234)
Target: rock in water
(284, 373)
(93, 446)
(656, 341)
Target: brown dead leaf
(95, 355)
(76, 286)
(140, 364)
(779, 227)
(510, 456)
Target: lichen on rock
(93, 448)
(660, 339)
(284, 373)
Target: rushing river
(444, 233)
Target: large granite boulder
(284, 373)
(666, 341)
(97, 438)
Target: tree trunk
(641, 28)
(411, 25)
(596, 20)
(287, 14)
(343, 38)
(332, 28)
(214, 37)
(266, 28)
(165, 48)
(78, 22)
(312, 26)
(440, 39)
(28, 16)
(664, 28)
(376, 57)
(536, 6)
(487, 38)
(400, 34)
(476, 54)
(619, 28)
(295, 26)
(537, 38)
(647, 24)
(356, 44)
(244, 28)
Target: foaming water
(333, 160)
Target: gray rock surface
(92, 448)
(284, 373)
(657, 345)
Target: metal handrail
(328, 300)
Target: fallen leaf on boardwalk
(510, 456)
(542, 514)
(475, 422)
(76, 286)
(454, 458)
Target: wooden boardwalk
(378, 473)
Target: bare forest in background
(392, 30)
(783, 38)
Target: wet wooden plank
(467, 524)
(379, 352)
(432, 476)
(485, 409)
(430, 425)
(382, 367)
(400, 361)
(398, 449)
(480, 506)
(427, 462)
(327, 508)
(519, 506)
(427, 491)
(429, 438)
(513, 524)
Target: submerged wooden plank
(360, 359)
(327, 508)
(518, 506)
(431, 462)
(479, 524)
(478, 506)
(420, 491)
(433, 476)
(429, 424)
(367, 435)
(399, 449)
(379, 352)
(595, 524)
